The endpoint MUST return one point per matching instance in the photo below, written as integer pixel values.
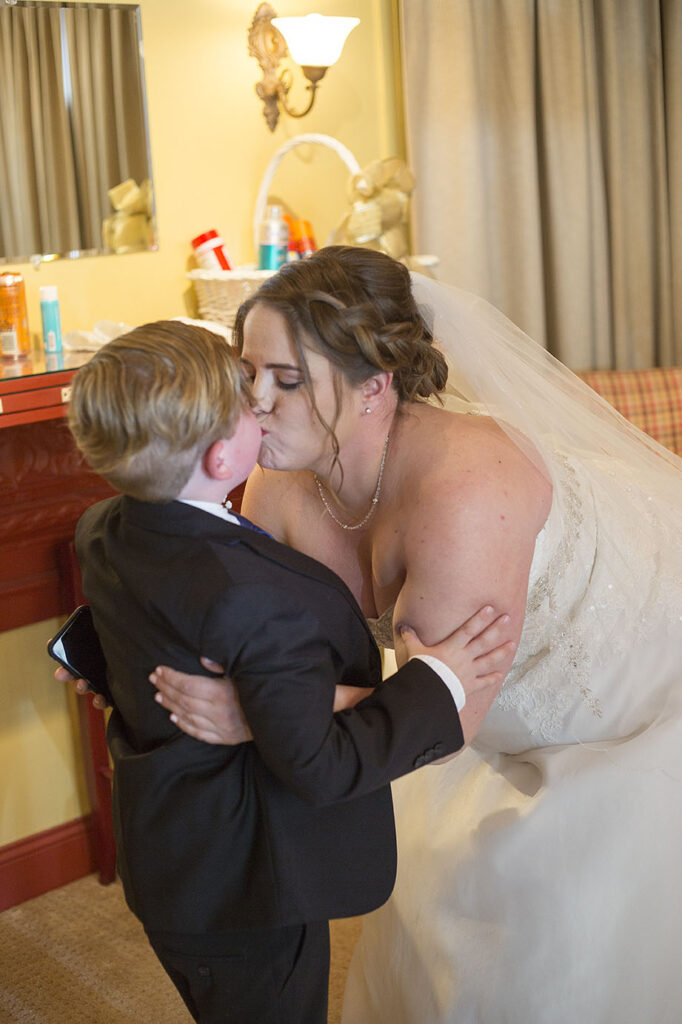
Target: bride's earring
(367, 410)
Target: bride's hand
(204, 707)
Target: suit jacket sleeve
(286, 670)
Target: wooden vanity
(44, 489)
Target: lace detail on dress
(597, 588)
(545, 586)
(382, 628)
(553, 663)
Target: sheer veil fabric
(495, 365)
(538, 875)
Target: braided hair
(355, 307)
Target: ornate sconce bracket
(267, 45)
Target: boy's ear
(216, 461)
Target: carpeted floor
(78, 956)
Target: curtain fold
(38, 208)
(546, 142)
(72, 123)
(108, 137)
(671, 30)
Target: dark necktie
(243, 521)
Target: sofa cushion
(651, 399)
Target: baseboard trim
(45, 861)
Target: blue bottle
(274, 240)
(49, 311)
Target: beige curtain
(546, 138)
(38, 203)
(105, 79)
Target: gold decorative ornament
(315, 42)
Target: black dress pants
(263, 976)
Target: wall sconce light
(315, 42)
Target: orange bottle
(15, 341)
(292, 248)
(305, 240)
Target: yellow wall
(39, 746)
(210, 147)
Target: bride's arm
(468, 541)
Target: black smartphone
(76, 646)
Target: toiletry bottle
(49, 312)
(274, 240)
(305, 240)
(15, 341)
(292, 247)
(209, 250)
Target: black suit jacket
(297, 825)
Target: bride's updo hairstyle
(355, 307)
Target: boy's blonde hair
(148, 405)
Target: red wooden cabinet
(28, 399)
(44, 488)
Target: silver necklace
(373, 504)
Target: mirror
(75, 163)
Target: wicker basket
(220, 293)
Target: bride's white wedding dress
(540, 872)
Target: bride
(538, 878)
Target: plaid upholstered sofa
(651, 399)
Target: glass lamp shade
(315, 40)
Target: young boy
(234, 858)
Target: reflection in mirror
(75, 167)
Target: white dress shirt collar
(214, 508)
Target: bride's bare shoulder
(449, 437)
(270, 496)
(467, 459)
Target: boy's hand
(473, 652)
